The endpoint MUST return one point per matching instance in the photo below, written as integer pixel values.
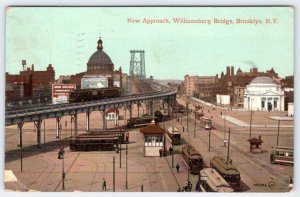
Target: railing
(60, 107)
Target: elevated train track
(13, 117)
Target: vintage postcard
(149, 99)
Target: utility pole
(44, 136)
(172, 147)
(71, 125)
(228, 145)
(195, 126)
(126, 181)
(250, 123)
(120, 147)
(114, 172)
(209, 135)
(224, 124)
(187, 117)
(278, 133)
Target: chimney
(32, 67)
(232, 71)
(227, 71)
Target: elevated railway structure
(38, 114)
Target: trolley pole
(114, 172)
(228, 145)
(195, 126)
(250, 123)
(126, 180)
(44, 136)
(278, 133)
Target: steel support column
(37, 124)
(20, 125)
(138, 106)
(75, 124)
(169, 107)
(57, 127)
(88, 121)
(130, 111)
(103, 119)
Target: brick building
(189, 84)
(229, 83)
(30, 83)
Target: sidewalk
(243, 124)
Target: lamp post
(71, 125)
(61, 155)
(187, 115)
(172, 147)
(209, 135)
(278, 132)
(114, 176)
(224, 114)
(228, 145)
(126, 180)
(120, 147)
(44, 136)
(251, 112)
(195, 125)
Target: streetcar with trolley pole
(228, 171)
(192, 158)
(174, 136)
(282, 155)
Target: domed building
(100, 62)
(100, 71)
(264, 94)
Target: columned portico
(264, 94)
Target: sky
(66, 37)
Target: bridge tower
(137, 63)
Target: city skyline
(40, 36)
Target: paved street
(85, 170)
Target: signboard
(204, 178)
(60, 92)
(223, 99)
(94, 82)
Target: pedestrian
(221, 113)
(160, 152)
(291, 180)
(171, 150)
(127, 137)
(104, 185)
(177, 167)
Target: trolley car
(174, 135)
(226, 170)
(192, 158)
(90, 143)
(282, 155)
(93, 94)
(120, 133)
(140, 122)
(205, 123)
(212, 181)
